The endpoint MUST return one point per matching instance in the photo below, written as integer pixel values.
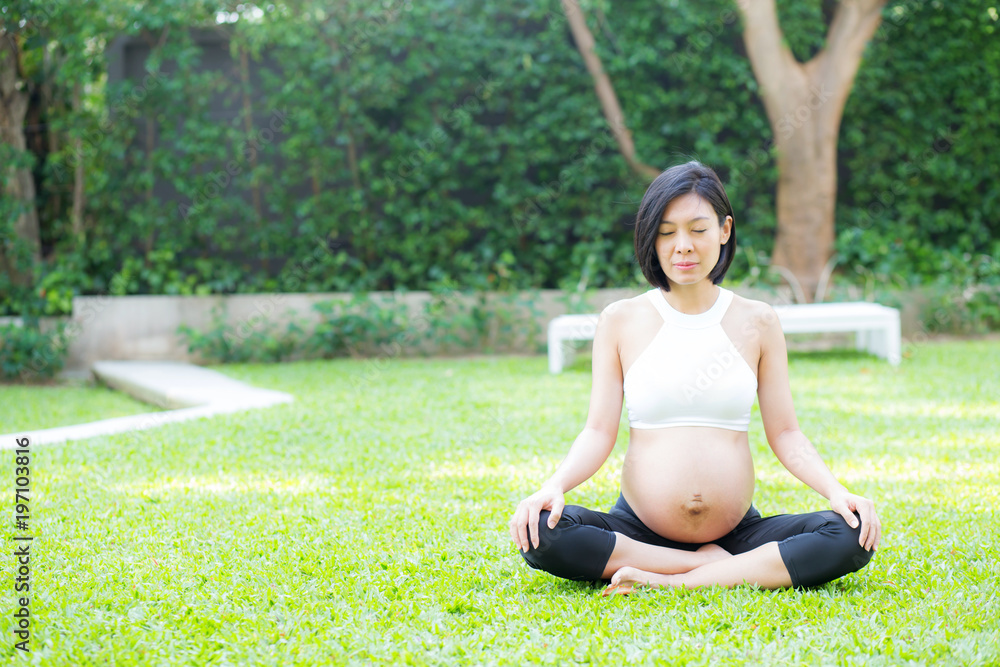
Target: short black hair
(673, 183)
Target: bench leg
(894, 341)
(568, 350)
(861, 340)
(877, 344)
(556, 359)
(884, 342)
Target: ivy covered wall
(404, 145)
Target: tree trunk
(805, 103)
(78, 189)
(19, 184)
(806, 203)
(605, 91)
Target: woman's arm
(789, 444)
(594, 444)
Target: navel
(695, 506)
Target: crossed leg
(762, 566)
(786, 550)
(589, 545)
(799, 550)
(643, 558)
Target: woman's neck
(692, 299)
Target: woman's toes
(625, 575)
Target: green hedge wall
(919, 145)
(440, 145)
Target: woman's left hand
(846, 504)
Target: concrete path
(188, 391)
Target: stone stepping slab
(185, 390)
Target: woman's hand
(845, 504)
(524, 523)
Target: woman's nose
(683, 243)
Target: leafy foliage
(30, 352)
(262, 341)
(449, 322)
(403, 145)
(916, 190)
(357, 326)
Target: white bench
(877, 328)
(564, 329)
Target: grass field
(29, 408)
(366, 523)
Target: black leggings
(816, 548)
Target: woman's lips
(683, 266)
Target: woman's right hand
(524, 523)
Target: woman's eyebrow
(700, 217)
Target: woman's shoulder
(623, 311)
(753, 313)
(748, 305)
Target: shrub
(31, 352)
(973, 310)
(353, 327)
(224, 343)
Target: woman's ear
(727, 228)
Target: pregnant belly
(688, 484)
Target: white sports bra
(691, 374)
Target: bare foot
(712, 553)
(635, 578)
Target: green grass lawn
(30, 408)
(366, 523)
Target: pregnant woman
(688, 357)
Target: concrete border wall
(145, 327)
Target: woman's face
(690, 239)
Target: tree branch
(605, 91)
(778, 74)
(833, 69)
